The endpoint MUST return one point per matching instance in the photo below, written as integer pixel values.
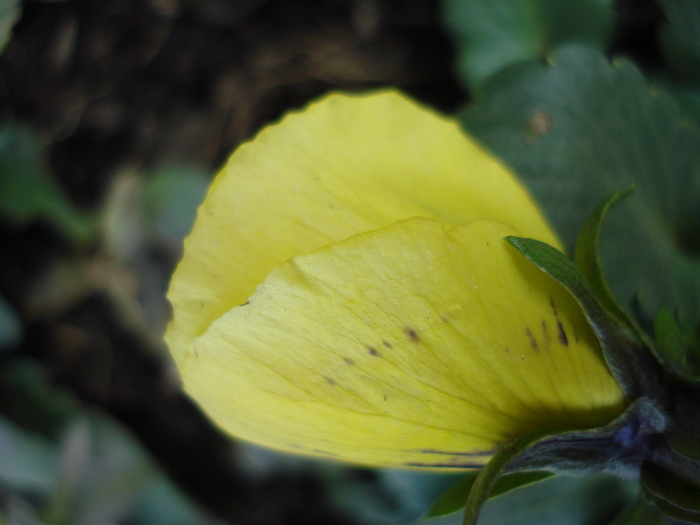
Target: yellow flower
(346, 293)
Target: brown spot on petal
(484, 453)
(330, 381)
(373, 351)
(348, 361)
(533, 342)
(411, 334)
(563, 339)
(554, 308)
(387, 344)
(444, 465)
(545, 334)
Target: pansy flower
(346, 292)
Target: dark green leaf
(492, 35)
(27, 193)
(487, 478)
(676, 513)
(9, 14)
(673, 494)
(580, 129)
(561, 500)
(683, 436)
(638, 512)
(625, 355)
(679, 37)
(455, 498)
(686, 96)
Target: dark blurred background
(132, 105)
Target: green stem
(487, 478)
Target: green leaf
(10, 11)
(28, 194)
(675, 496)
(487, 478)
(580, 129)
(455, 498)
(492, 35)
(638, 512)
(561, 500)
(676, 513)
(679, 37)
(626, 356)
(686, 96)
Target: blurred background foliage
(115, 114)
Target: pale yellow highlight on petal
(345, 165)
(411, 345)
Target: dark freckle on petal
(554, 308)
(384, 398)
(488, 242)
(506, 349)
(373, 351)
(533, 343)
(349, 361)
(562, 334)
(412, 334)
(246, 303)
(324, 452)
(444, 319)
(329, 381)
(446, 465)
(387, 344)
(545, 333)
(196, 354)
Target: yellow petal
(409, 345)
(345, 165)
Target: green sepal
(620, 447)
(673, 348)
(487, 478)
(676, 496)
(587, 259)
(628, 358)
(638, 512)
(454, 499)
